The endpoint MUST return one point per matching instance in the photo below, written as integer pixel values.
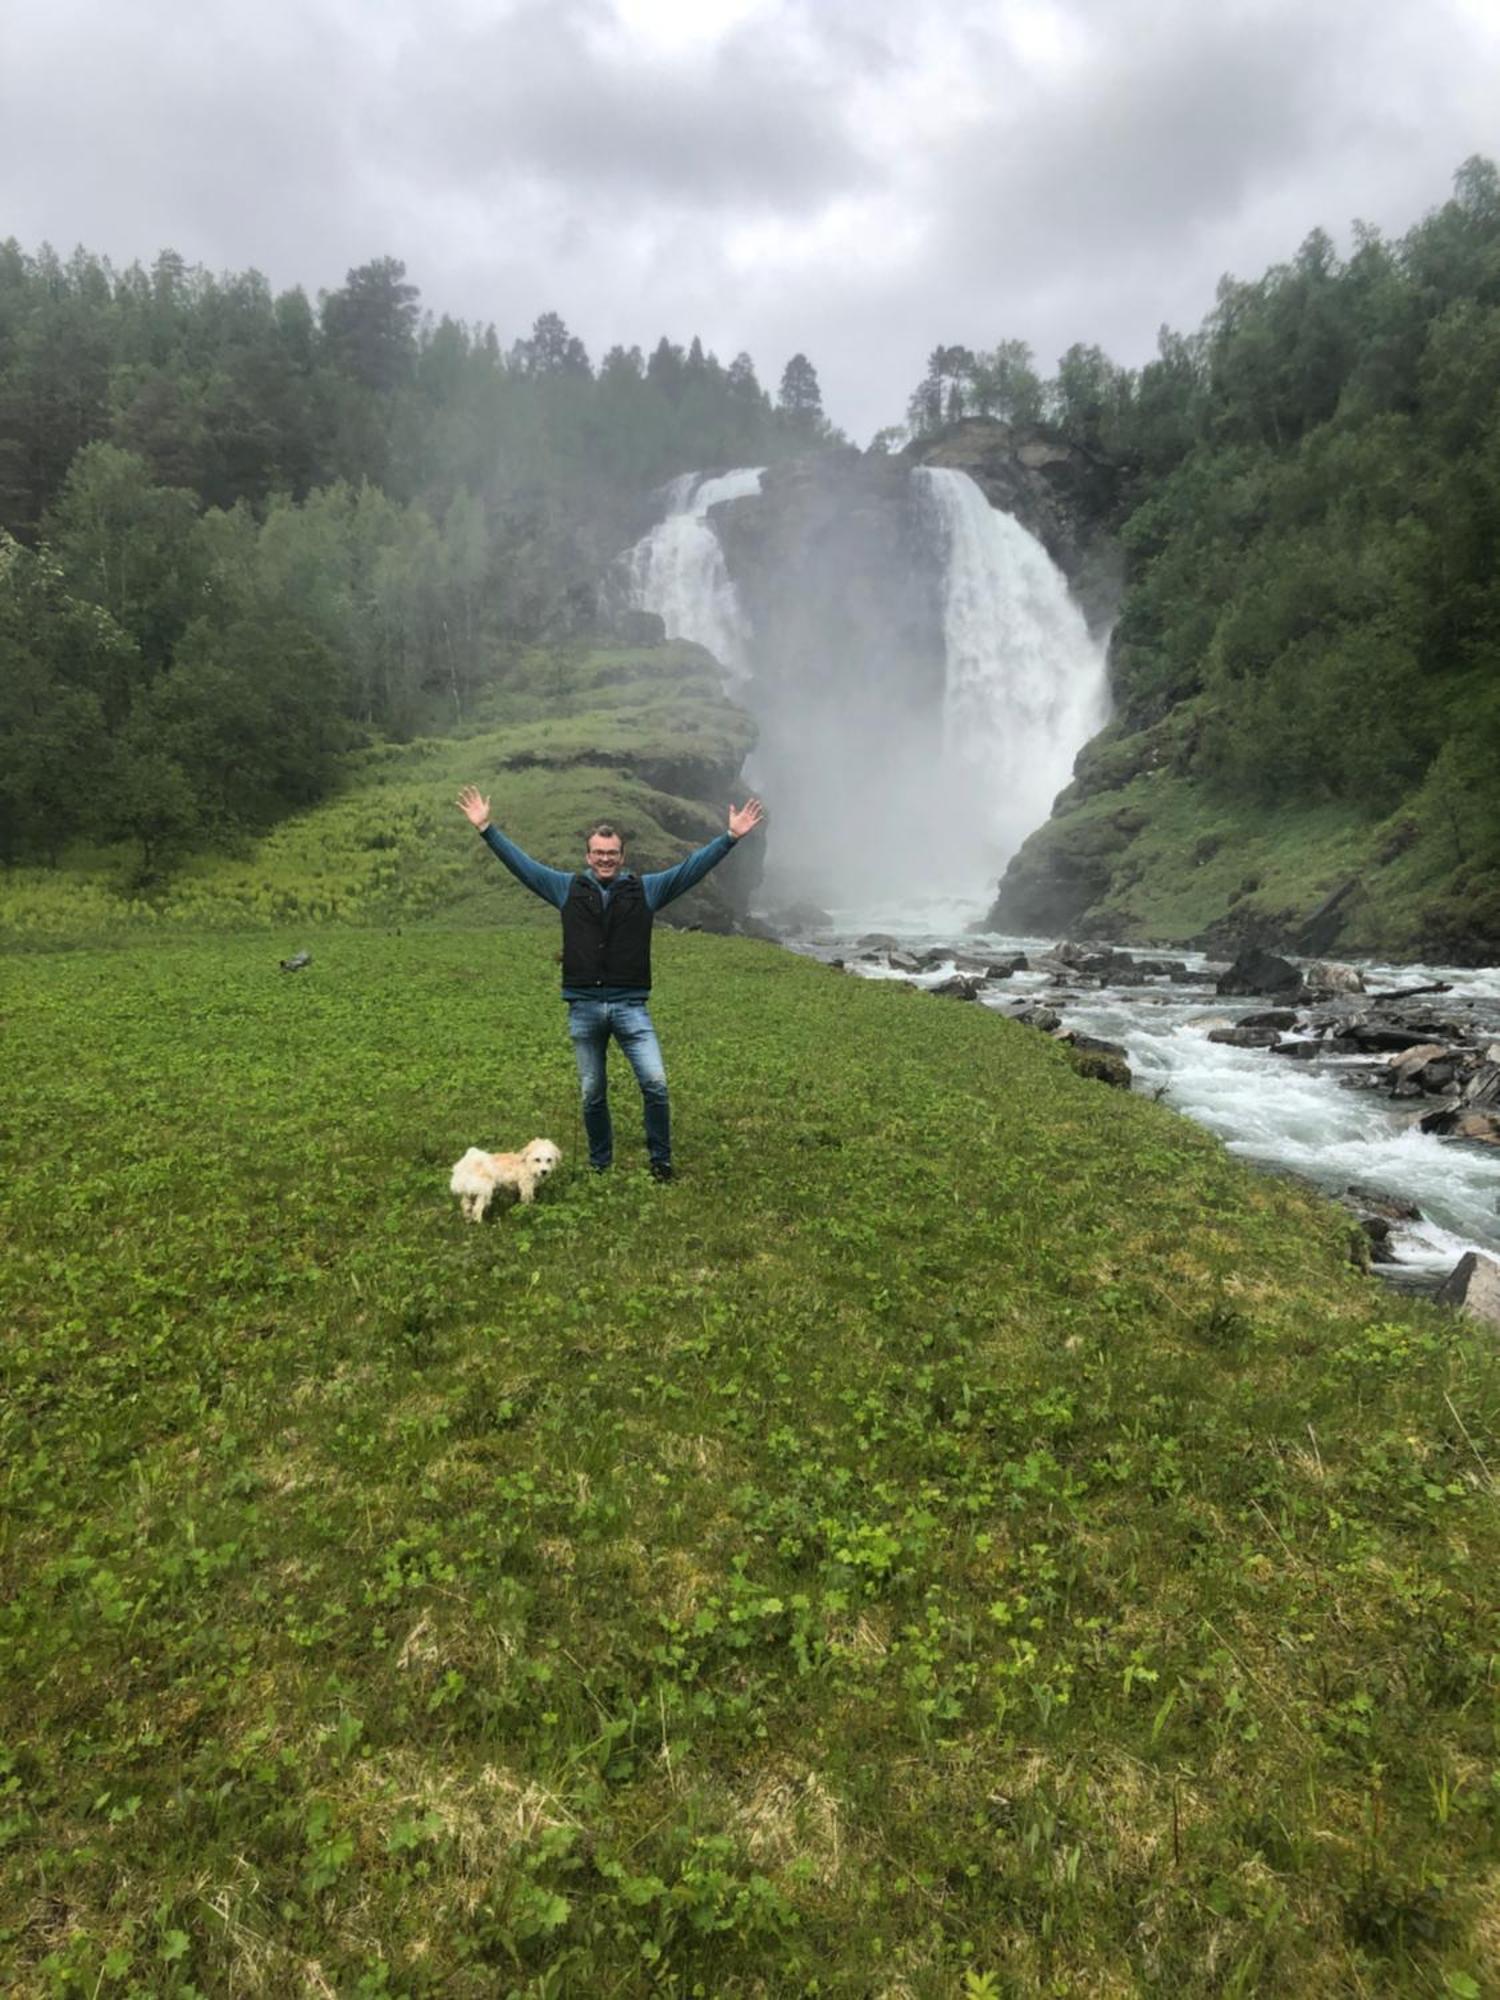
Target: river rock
(1045, 1018)
(1257, 971)
(1092, 961)
(1245, 1038)
(1279, 1018)
(959, 987)
(1459, 1123)
(1473, 1286)
(1374, 1038)
(1391, 1207)
(1104, 1061)
(877, 941)
(1429, 1070)
(1327, 978)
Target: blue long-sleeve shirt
(660, 887)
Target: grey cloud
(545, 92)
(523, 157)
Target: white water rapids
(1294, 1116)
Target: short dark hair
(603, 827)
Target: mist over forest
(243, 531)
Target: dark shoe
(661, 1170)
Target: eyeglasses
(607, 854)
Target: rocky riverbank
(1380, 1086)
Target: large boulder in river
(1262, 972)
(1105, 1062)
(1474, 1287)
(1323, 980)
(1482, 1126)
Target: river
(1309, 1118)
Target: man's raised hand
(474, 809)
(744, 819)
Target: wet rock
(1391, 1207)
(1483, 1085)
(1370, 1037)
(1298, 1051)
(1481, 1126)
(876, 941)
(1279, 1018)
(1245, 1038)
(1103, 1061)
(1378, 1229)
(1428, 1070)
(1327, 978)
(1092, 961)
(1257, 971)
(1473, 1286)
(903, 961)
(959, 987)
(1046, 1018)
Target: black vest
(607, 946)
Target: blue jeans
(590, 1024)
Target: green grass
(967, 1536)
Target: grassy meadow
(967, 1536)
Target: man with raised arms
(607, 914)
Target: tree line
(239, 529)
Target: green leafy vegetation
(968, 1535)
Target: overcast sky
(858, 179)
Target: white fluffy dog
(478, 1175)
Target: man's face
(605, 855)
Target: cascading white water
(1025, 684)
(678, 569)
(890, 785)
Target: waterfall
(919, 675)
(678, 569)
(1025, 683)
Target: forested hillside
(241, 532)
(1307, 661)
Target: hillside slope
(644, 735)
(969, 1535)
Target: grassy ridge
(1139, 846)
(967, 1536)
